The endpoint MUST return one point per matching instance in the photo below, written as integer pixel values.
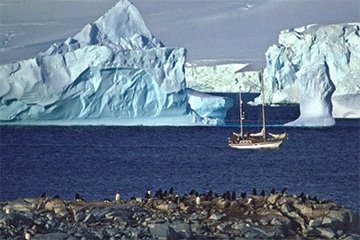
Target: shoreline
(171, 216)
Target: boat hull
(259, 145)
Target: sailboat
(259, 140)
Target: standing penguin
(78, 198)
(117, 197)
(148, 194)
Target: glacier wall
(222, 78)
(112, 72)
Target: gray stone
(276, 233)
(276, 222)
(285, 208)
(194, 216)
(216, 216)
(90, 218)
(326, 232)
(264, 221)
(273, 198)
(238, 226)
(182, 229)
(80, 216)
(160, 231)
(255, 233)
(71, 238)
(315, 222)
(51, 236)
(352, 237)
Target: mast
(241, 117)
(263, 103)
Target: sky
(220, 30)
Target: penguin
(262, 193)
(148, 194)
(56, 197)
(177, 199)
(273, 191)
(243, 195)
(283, 192)
(117, 197)
(171, 191)
(106, 200)
(78, 198)
(165, 195)
(254, 193)
(209, 195)
(233, 196)
(197, 200)
(27, 235)
(159, 194)
(226, 196)
(43, 195)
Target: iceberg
(316, 90)
(112, 72)
(309, 65)
(209, 107)
(346, 106)
(224, 77)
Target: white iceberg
(112, 72)
(295, 69)
(209, 106)
(315, 95)
(224, 77)
(346, 106)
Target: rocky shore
(170, 216)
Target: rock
(342, 219)
(21, 205)
(255, 233)
(304, 209)
(182, 229)
(238, 226)
(80, 216)
(216, 216)
(264, 221)
(223, 204)
(276, 233)
(160, 231)
(285, 208)
(194, 216)
(272, 199)
(315, 223)
(321, 232)
(57, 206)
(51, 236)
(90, 218)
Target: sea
(99, 161)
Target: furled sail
(278, 136)
(259, 134)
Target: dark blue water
(97, 162)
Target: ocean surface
(97, 162)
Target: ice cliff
(112, 72)
(309, 65)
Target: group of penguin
(205, 197)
